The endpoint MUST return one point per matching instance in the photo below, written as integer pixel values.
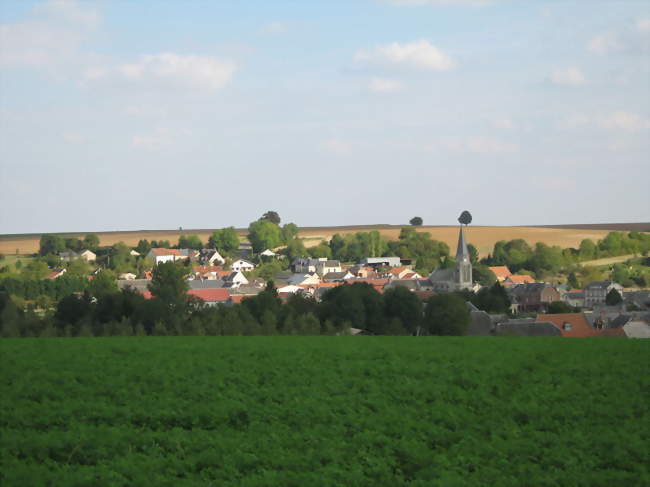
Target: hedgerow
(357, 411)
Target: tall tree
(272, 216)
(225, 240)
(91, 241)
(416, 221)
(51, 244)
(446, 314)
(168, 284)
(263, 234)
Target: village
(535, 308)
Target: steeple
(462, 253)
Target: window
(567, 327)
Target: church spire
(462, 253)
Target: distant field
(607, 260)
(321, 411)
(482, 237)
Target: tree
(613, 298)
(103, 283)
(51, 244)
(271, 216)
(572, 280)
(91, 241)
(559, 307)
(483, 275)
(473, 254)
(359, 304)
(143, 247)
(295, 248)
(226, 240)
(405, 306)
(168, 284)
(263, 234)
(289, 232)
(416, 221)
(190, 242)
(446, 314)
(36, 269)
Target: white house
(88, 256)
(268, 253)
(211, 257)
(321, 266)
(304, 279)
(242, 265)
(159, 255)
(235, 279)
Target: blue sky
(120, 115)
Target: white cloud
(70, 11)
(604, 44)
(275, 28)
(73, 137)
(189, 71)
(570, 76)
(503, 123)
(420, 55)
(49, 38)
(619, 120)
(624, 121)
(643, 25)
(474, 145)
(162, 138)
(383, 85)
(337, 146)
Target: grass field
(324, 411)
(482, 237)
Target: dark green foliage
(264, 234)
(271, 216)
(446, 314)
(358, 303)
(416, 221)
(226, 240)
(558, 307)
(143, 247)
(190, 242)
(320, 411)
(493, 299)
(33, 288)
(168, 284)
(483, 275)
(404, 306)
(613, 298)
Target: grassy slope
(324, 411)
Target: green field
(323, 411)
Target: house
(235, 279)
(501, 272)
(211, 297)
(304, 279)
(88, 256)
(55, 273)
(514, 279)
(242, 265)
(401, 272)
(362, 271)
(210, 257)
(321, 266)
(575, 298)
(596, 292)
(160, 255)
(268, 253)
(68, 255)
(206, 284)
(337, 276)
(206, 271)
(375, 262)
(140, 285)
(573, 325)
(532, 296)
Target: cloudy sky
(120, 115)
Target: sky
(119, 115)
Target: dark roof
(599, 284)
(333, 276)
(528, 329)
(480, 324)
(619, 321)
(205, 283)
(461, 250)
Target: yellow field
(482, 237)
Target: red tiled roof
(207, 268)
(210, 295)
(521, 279)
(159, 252)
(501, 271)
(611, 332)
(580, 327)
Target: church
(458, 277)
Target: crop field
(483, 237)
(324, 411)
